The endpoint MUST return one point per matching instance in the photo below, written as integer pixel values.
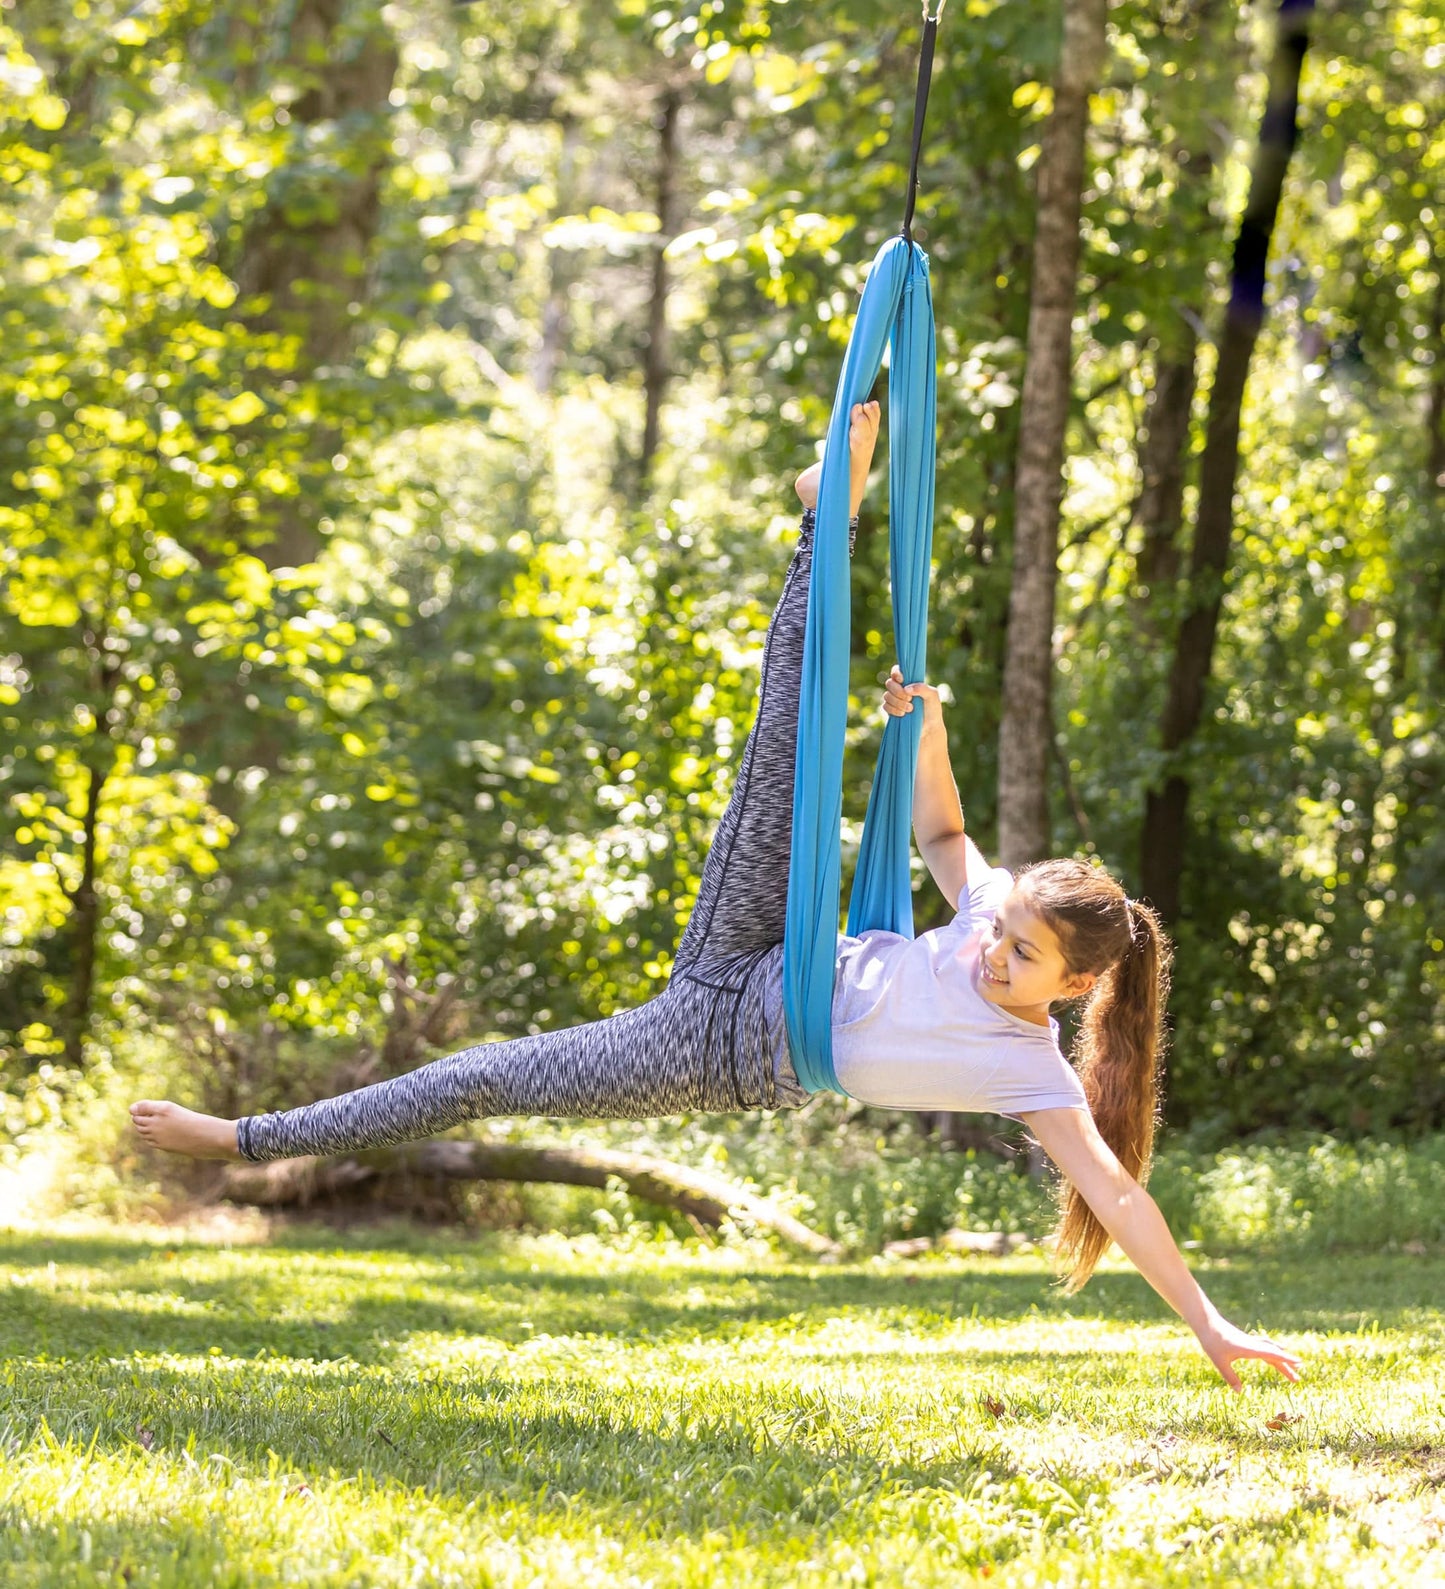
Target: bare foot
(806, 485)
(862, 438)
(177, 1130)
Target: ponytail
(1118, 1054)
(1119, 1047)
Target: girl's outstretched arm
(1132, 1218)
(950, 855)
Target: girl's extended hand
(898, 699)
(1225, 1345)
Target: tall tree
(306, 254)
(655, 360)
(561, 263)
(1166, 805)
(1025, 728)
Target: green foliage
(324, 568)
(840, 1174)
(1297, 1197)
(66, 1145)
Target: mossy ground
(391, 1408)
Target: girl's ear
(1080, 983)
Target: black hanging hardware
(920, 107)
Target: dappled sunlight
(652, 1465)
(400, 409)
(341, 1406)
(527, 1407)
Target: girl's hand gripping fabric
(898, 699)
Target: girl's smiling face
(1021, 965)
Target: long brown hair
(1119, 1046)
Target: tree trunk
(655, 361)
(305, 255)
(561, 269)
(1025, 726)
(1166, 805)
(1435, 465)
(308, 249)
(84, 926)
(706, 1199)
(1162, 457)
(1419, 646)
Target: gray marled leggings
(714, 1040)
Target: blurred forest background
(399, 406)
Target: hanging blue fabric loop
(896, 310)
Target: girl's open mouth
(988, 976)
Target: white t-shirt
(912, 1031)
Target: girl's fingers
(898, 697)
(1265, 1351)
(1272, 1351)
(897, 701)
(1285, 1362)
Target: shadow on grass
(144, 1304)
(764, 1462)
(646, 1458)
(652, 1465)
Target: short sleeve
(1018, 1091)
(980, 900)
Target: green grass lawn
(388, 1408)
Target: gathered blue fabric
(896, 311)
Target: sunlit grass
(395, 1409)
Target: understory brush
(866, 1177)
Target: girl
(955, 1019)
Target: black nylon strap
(920, 110)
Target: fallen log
(706, 1198)
(994, 1244)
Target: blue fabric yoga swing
(896, 309)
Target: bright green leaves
(248, 583)
(25, 95)
(323, 547)
(223, 413)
